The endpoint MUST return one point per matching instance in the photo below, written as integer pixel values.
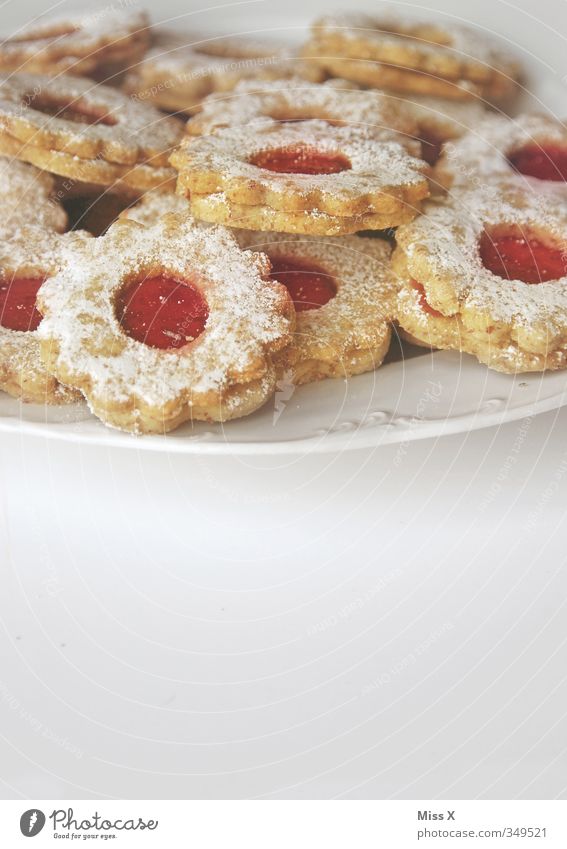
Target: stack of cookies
(194, 218)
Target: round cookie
(91, 134)
(307, 177)
(487, 274)
(344, 294)
(163, 324)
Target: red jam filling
(431, 145)
(517, 257)
(546, 162)
(300, 159)
(423, 302)
(17, 303)
(162, 312)
(309, 285)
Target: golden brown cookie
(159, 325)
(217, 209)
(29, 256)
(180, 70)
(307, 177)
(344, 293)
(336, 101)
(529, 148)
(487, 274)
(81, 43)
(28, 197)
(412, 56)
(91, 134)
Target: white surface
(387, 623)
(383, 622)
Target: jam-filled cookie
(159, 325)
(28, 195)
(531, 148)
(487, 274)
(307, 177)
(180, 70)
(90, 134)
(80, 43)
(335, 101)
(411, 56)
(430, 120)
(28, 257)
(343, 290)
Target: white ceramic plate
(416, 395)
(419, 395)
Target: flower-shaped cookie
(95, 134)
(28, 197)
(28, 257)
(308, 177)
(411, 56)
(158, 325)
(489, 272)
(336, 101)
(80, 43)
(180, 70)
(344, 293)
(531, 148)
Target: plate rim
(351, 438)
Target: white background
(385, 623)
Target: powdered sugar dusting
(429, 39)
(453, 117)
(297, 99)
(359, 314)
(448, 235)
(482, 154)
(27, 197)
(73, 33)
(139, 129)
(199, 63)
(155, 204)
(246, 313)
(376, 164)
(28, 251)
(176, 52)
